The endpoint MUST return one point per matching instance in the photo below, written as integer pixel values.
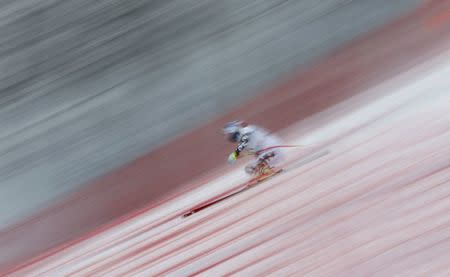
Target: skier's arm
(235, 154)
(242, 144)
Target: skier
(256, 141)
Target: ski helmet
(232, 130)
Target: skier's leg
(269, 161)
(251, 168)
(276, 158)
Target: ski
(247, 185)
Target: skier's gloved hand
(232, 158)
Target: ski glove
(232, 158)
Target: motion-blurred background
(88, 86)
